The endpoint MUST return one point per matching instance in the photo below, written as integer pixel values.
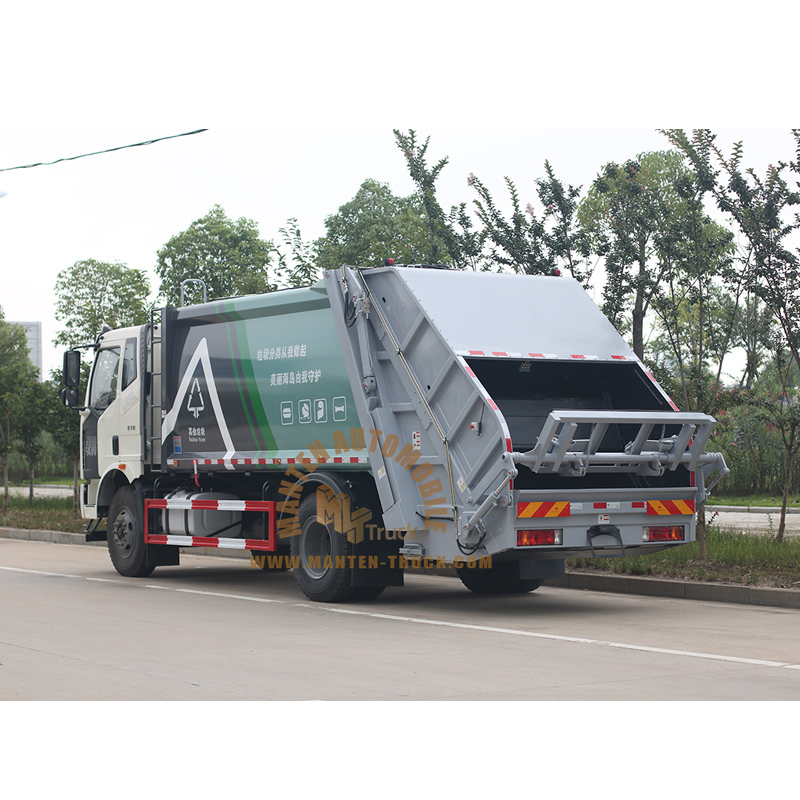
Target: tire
(317, 542)
(126, 544)
(502, 578)
(525, 585)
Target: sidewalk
(619, 584)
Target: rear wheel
(126, 544)
(525, 585)
(324, 570)
(501, 578)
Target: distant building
(33, 330)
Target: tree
(91, 293)
(31, 423)
(764, 211)
(534, 245)
(64, 425)
(696, 300)
(373, 226)
(16, 372)
(228, 256)
(451, 238)
(622, 213)
(781, 410)
(302, 270)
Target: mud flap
(377, 563)
(163, 555)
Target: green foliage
(17, 374)
(530, 244)
(373, 226)
(733, 557)
(630, 215)
(47, 514)
(752, 450)
(228, 256)
(92, 293)
(764, 211)
(34, 398)
(451, 238)
(301, 268)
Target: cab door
(100, 422)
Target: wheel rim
(123, 531)
(315, 548)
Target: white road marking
(757, 662)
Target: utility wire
(100, 152)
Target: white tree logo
(195, 405)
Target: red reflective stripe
(669, 507)
(534, 510)
(601, 505)
(204, 541)
(258, 544)
(259, 505)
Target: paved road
(755, 522)
(214, 628)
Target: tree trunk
(30, 486)
(701, 533)
(5, 484)
(637, 317)
(785, 500)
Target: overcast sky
(123, 206)
(300, 101)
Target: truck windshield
(104, 379)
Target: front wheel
(126, 544)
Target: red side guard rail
(269, 545)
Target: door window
(104, 379)
(129, 364)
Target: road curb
(614, 584)
(752, 509)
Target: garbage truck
(382, 419)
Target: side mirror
(69, 397)
(71, 374)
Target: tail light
(534, 538)
(663, 533)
